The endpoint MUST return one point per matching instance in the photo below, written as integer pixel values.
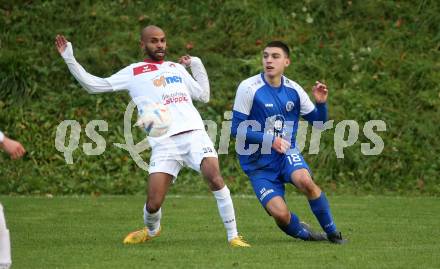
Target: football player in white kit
(15, 150)
(186, 142)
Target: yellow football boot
(140, 236)
(238, 242)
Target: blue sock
(294, 228)
(321, 209)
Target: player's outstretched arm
(199, 86)
(91, 83)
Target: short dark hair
(279, 44)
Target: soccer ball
(154, 119)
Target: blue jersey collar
(270, 86)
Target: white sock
(226, 210)
(152, 221)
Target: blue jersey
(262, 112)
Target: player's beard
(153, 54)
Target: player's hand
(185, 60)
(280, 145)
(320, 92)
(61, 43)
(13, 148)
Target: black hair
(279, 44)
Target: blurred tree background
(379, 58)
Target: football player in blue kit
(266, 112)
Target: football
(154, 119)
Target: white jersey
(167, 83)
(157, 82)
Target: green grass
(86, 232)
(381, 60)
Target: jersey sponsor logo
(289, 106)
(275, 125)
(144, 69)
(278, 125)
(175, 98)
(162, 81)
(268, 105)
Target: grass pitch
(87, 232)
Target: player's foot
(314, 236)
(140, 236)
(238, 242)
(336, 238)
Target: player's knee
(308, 186)
(282, 217)
(216, 182)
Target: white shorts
(175, 152)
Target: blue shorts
(269, 181)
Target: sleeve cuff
(68, 52)
(195, 61)
(2, 137)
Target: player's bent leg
(278, 209)
(318, 204)
(303, 181)
(158, 185)
(211, 172)
(288, 222)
